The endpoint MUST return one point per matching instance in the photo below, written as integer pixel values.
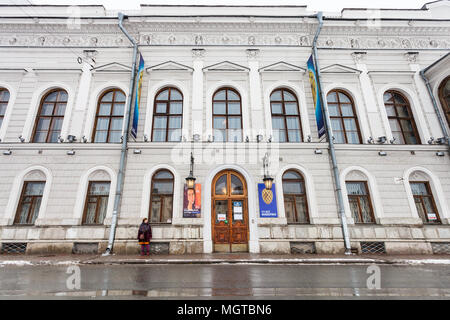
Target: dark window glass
(161, 199)
(109, 118)
(30, 202)
(295, 202)
(50, 117)
(227, 115)
(423, 198)
(96, 202)
(167, 116)
(344, 121)
(401, 119)
(444, 96)
(286, 124)
(360, 203)
(4, 99)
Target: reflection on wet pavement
(221, 281)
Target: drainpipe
(436, 108)
(331, 142)
(123, 154)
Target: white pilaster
(197, 91)
(257, 117)
(430, 122)
(81, 104)
(373, 116)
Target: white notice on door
(221, 216)
(237, 207)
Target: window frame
(52, 116)
(304, 196)
(110, 116)
(398, 118)
(369, 199)
(6, 102)
(226, 114)
(167, 114)
(86, 203)
(341, 118)
(433, 202)
(161, 196)
(33, 203)
(284, 115)
(444, 104)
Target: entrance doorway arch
(229, 212)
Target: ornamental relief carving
(222, 38)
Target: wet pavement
(235, 281)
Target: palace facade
(229, 85)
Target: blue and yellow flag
(139, 77)
(316, 96)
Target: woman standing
(144, 237)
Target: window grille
(14, 247)
(373, 247)
(441, 247)
(303, 247)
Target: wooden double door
(229, 212)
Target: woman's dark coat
(146, 230)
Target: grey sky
(323, 5)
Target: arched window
(401, 119)
(167, 115)
(360, 202)
(295, 202)
(344, 121)
(96, 203)
(50, 116)
(109, 116)
(30, 202)
(4, 99)
(444, 96)
(227, 115)
(286, 125)
(161, 201)
(424, 201)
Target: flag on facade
(140, 75)
(316, 96)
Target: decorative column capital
(198, 54)
(359, 56)
(89, 56)
(252, 54)
(411, 57)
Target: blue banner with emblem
(139, 77)
(267, 202)
(316, 96)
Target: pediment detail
(282, 67)
(169, 66)
(112, 67)
(339, 68)
(226, 66)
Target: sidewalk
(233, 258)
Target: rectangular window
(30, 202)
(360, 203)
(96, 202)
(423, 198)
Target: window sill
(299, 223)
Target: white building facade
(230, 85)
